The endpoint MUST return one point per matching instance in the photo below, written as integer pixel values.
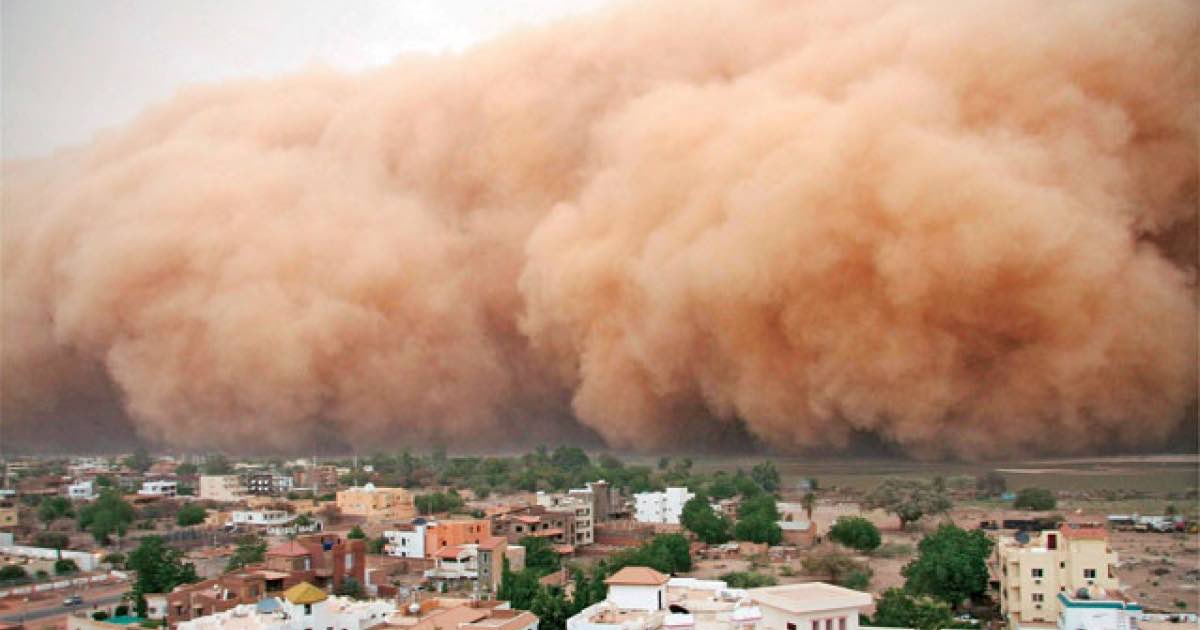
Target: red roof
(449, 553)
(290, 548)
(637, 576)
(493, 542)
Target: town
(562, 539)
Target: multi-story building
(323, 559)
(9, 515)
(377, 504)
(318, 479)
(558, 527)
(223, 488)
(640, 598)
(82, 491)
(159, 488)
(268, 484)
(461, 531)
(578, 502)
(1075, 563)
(406, 540)
(661, 507)
(480, 563)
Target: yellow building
(377, 504)
(1051, 567)
(9, 515)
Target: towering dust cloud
(967, 229)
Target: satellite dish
(1022, 537)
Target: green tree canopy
(140, 460)
(909, 499)
(855, 532)
(951, 565)
(540, 556)
(722, 486)
(766, 476)
(748, 579)
(356, 532)
(186, 470)
(53, 508)
(897, 609)
(65, 566)
(109, 514)
(217, 464)
(990, 484)
(758, 520)
(1037, 499)
(666, 553)
(250, 549)
(159, 569)
(190, 514)
(350, 588)
(699, 518)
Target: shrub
(12, 573)
(65, 566)
(121, 611)
(100, 615)
(855, 532)
(1037, 499)
(748, 579)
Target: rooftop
(637, 576)
(809, 597)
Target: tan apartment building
(377, 504)
(223, 488)
(1039, 571)
(448, 533)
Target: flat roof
(809, 596)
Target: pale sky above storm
(73, 67)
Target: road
(63, 610)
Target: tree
(855, 532)
(831, 562)
(54, 508)
(1037, 499)
(898, 609)
(722, 486)
(766, 476)
(65, 566)
(666, 553)
(808, 502)
(186, 470)
(858, 579)
(349, 588)
(108, 515)
(748, 579)
(436, 502)
(699, 517)
(951, 565)
(551, 607)
(217, 464)
(540, 556)
(51, 540)
(115, 559)
(518, 588)
(991, 484)
(140, 461)
(159, 569)
(356, 532)
(746, 486)
(250, 549)
(758, 521)
(12, 573)
(376, 545)
(908, 499)
(190, 514)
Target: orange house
(467, 531)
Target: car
(73, 600)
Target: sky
(73, 67)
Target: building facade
(579, 503)
(661, 507)
(1076, 562)
(406, 540)
(376, 503)
(158, 488)
(222, 488)
(268, 484)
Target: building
(661, 507)
(462, 531)
(1034, 569)
(578, 502)
(322, 559)
(82, 491)
(536, 520)
(268, 484)
(640, 598)
(301, 607)
(223, 488)
(9, 515)
(481, 563)
(318, 479)
(444, 613)
(377, 504)
(158, 488)
(406, 540)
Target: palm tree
(809, 501)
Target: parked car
(73, 600)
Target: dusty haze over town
(962, 230)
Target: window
(308, 609)
(816, 624)
(1038, 597)
(1089, 574)
(841, 623)
(1037, 573)
(1062, 565)
(791, 626)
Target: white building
(661, 507)
(82, 491)
(302, 607)
(158, 489)
(223, 488)
(640, 598)
(1097, 611)
(406, 541)
(263, 518)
